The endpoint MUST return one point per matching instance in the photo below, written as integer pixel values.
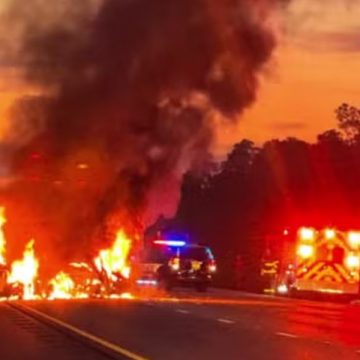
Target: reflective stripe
(343, 272)
(264, 272)
(328, 273)
(313, 270)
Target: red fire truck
(321, 260)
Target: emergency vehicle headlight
(175, 264)
(307, 234)
(330, 234)
(175, 267)
(305, 251)
(354, 239)
(212, 268)
(282, 289)
(352, 261)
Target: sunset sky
(315, 68)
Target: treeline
(246, 202)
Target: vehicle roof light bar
(177, 243)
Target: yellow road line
(97, 340)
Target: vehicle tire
(201, 287)
(164, 283)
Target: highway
(186, 325)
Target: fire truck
(320, 260)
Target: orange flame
(115, 259)
(80, 282)
(25, 271)
(2, 237)
(63, 286)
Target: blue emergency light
(176, 243)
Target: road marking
(287, 335)
(97, 340)
(181, 311)
(226, 321)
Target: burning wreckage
(124, 98)
(107, 275)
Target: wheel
(165, 283)
(164, 280)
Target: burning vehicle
(115, 115)
(106, 274)
(112, 271)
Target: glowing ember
(24, 272)
(115, 260)
(62, 286)
(2, 237)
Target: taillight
(175, 264)
(212, 266)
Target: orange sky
(315, 69)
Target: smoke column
(129, 89)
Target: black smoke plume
(129, 92)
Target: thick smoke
(131, 87)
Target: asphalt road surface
(219, 325)
(24, 338)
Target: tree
(240, 158)
(349, 120)
(258, 191)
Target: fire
(102, 277)
(115, 259)
(81, 265)
(62, 286)
(2, 237)
(25, 271)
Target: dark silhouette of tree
(242, 207)
(349, 120)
